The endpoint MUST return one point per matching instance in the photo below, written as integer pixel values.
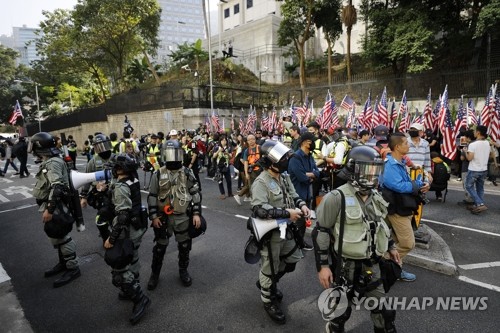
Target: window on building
(236, 9)
(226, 13)
(249, 3)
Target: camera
(463, 142)
(423, 198)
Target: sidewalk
(11, 312)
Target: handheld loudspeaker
(78, 179)
(262, 227)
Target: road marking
(481, 265)
(479, 283)
(241, 217)
(464, 228)
(3, 199)
(17, 208)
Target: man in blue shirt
(303, 171)
(395, 182)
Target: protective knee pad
(159, 251)
(117, 279)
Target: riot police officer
(129, 223)
(96, 194)
(174, 203)
(274, 197)
(358, 266)
(51, 192)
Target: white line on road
(479, 283)
(464, 228)
(241, 217)
(17, 208)
(3, 199)
(481, 265)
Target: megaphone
(78, 179)
(262, 227)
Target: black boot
(274, 311)
(378, 330)
(141, 301)
(332, 327)
(67, 277)
(59, 268)
(158, 254)
(184, 249)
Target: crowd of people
(346, 181)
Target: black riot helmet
(365, 166)
(125, 163)
(102, 146)
(275, 155)
(43, 144)
(172, 154)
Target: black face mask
(281, 166)
(413, 133)
(312, 146)
(105, 155)
(173, 165)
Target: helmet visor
(103, 146)
(277, 152)
(170, 154)
(368, 173)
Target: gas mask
(173, 165)
(105, 155)
(281, 166)
(366, 175)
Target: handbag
(390, 271)
(121, 254)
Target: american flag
(375, 120)
(222, 129)
(215, 121)
(264, 122)
(325, 115)
(347, 103)
(232, 122)
(449, 146)
(301, 111)
(418, 118)
(367, 115)
(428, 118)
(495, 121)
(351, 117)
(308, 115)
(461, 116)
(251, 121)
(394, 114)
(435, 114)
(471, 113)
(382, 109)
(489, 102)
(16, 114)
(272, 121)
(404, 124)
(241, 124)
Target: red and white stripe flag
(16, 114)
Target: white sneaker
(247, 199)
(237, 198)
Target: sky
(16, 13)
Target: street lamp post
(37, 101)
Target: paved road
(223, 297)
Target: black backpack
(440, 176)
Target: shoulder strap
(341, 238)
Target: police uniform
(362, 247)
(278, 256)
(98, 199)
(51, 189)
(174, 196)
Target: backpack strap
(341, 238)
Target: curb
(437, 257)
(11, 313)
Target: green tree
(7, 74)
(120, 30)
(327, 16)
(189, 53)
(138, 70)
(296, 27)
(489, 20)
